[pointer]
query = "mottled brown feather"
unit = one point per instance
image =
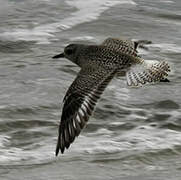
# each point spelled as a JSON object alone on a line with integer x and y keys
{"x": 79, "y": 103}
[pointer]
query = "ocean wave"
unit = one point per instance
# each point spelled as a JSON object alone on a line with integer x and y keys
{"x": 86, "y": 11}
{"x": 139, "y": 140}
{"x": 142, "y": 139}
{"x": 83, "y": 38}
{"x": 167, "y": 1}
{"x": 38, "y": 152}
{"x": 166, "y": 47}
{"x": 13, "y": 109}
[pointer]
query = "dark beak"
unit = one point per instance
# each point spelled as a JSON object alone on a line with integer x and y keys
{"x": 58, "y": 56}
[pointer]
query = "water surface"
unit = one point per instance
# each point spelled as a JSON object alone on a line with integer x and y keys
{"x": 135, "y": 133}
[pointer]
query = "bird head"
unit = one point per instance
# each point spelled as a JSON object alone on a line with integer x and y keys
{"x": 70, "y": 52}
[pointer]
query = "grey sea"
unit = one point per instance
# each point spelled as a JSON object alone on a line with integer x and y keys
{"x": 134, "y": 134}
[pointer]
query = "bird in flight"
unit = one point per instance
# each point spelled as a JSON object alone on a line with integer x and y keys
{"x": 99, "y": 64}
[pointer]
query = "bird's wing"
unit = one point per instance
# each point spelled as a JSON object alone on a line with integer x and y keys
{"x": 79, "y": 103}
{"x": 122, "y": 45}
{"x": 146, "y": 72}
{"x": 140, "y": 72}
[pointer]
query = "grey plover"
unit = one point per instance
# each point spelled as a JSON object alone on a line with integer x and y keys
{"x": 99, "y": 64}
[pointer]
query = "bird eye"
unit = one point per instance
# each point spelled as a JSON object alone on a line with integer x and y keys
{"x": 69, "y": 51}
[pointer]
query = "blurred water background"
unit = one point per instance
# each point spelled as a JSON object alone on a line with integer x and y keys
{"x": 134, "y": 134}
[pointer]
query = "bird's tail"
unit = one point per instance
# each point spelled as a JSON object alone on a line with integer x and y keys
{"x": 147, "y": 72}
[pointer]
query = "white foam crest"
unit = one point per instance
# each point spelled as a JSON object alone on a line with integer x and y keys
{"x": 83, "y": 38}
{"x": 87, "y": 11}
{"x": 144, "y": 139}
{"x": 15, "y": 155}
{"x": 28, "y": 35}
{"x": 150, "y": 138}
{"x": 100, "y": 143}
{"x": 167, "y": 1}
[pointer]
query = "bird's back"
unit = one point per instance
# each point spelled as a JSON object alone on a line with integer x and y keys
{"x": 101, "y": 55}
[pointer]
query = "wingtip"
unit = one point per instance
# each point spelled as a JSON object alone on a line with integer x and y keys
{"x": 164, "y": 80}
{"x": 57, "y": 151}
{"x": 56, "y": 154}
{"x": 136, "y": 43}
{"x": 62, "y": 150}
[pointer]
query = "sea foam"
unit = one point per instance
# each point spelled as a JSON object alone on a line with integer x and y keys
{"x": 87, "y": 11}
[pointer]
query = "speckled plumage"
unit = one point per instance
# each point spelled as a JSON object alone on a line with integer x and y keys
{"x": 99, "y": 64}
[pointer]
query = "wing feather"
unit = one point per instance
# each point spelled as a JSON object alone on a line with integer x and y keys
{"x": 79, "y": 103}
{"x": 145, "y": 72}
{"x": 122, "y": 45}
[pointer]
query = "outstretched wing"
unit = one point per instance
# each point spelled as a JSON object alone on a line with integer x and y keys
{"x": 79, "y": 103}
{"x": 141, "y": 71}
{"x": 122, "y": 45}
{"x": 147, "y": 72}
